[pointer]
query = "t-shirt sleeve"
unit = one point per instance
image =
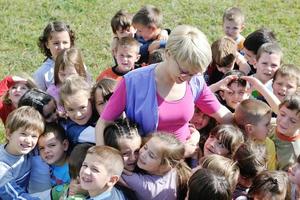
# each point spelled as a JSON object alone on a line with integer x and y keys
{"x": 139, "y": 184}
{"x": 116, "y": 104}
{"x": 207, "y": 101}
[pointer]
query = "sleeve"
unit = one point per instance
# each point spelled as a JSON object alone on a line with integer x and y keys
{"x": 140, "y": 184}
{"x": 207, "y": 101}
{"x": 116, "y": 104}
{"x": 38, "y": 77}
{"x": 11, "y": 190}
{"x": 5, "y": 84}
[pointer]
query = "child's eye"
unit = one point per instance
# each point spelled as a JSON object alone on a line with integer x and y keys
{"x": 151, "y": 156}
{"x": 84, "y": 165}
{"x": 93, "y": 169}
{"x": 41, "y": 148}
{"x": 23, "y": 134}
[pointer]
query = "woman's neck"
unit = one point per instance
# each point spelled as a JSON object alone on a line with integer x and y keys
{"x": 162, "y": 76}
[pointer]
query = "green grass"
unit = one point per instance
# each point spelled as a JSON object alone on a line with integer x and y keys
{"x": 22, "y": 23}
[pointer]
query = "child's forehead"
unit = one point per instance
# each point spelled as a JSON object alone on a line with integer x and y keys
{"x": 291, "y": 113}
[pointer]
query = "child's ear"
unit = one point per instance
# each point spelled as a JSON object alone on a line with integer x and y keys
{"x": 249, "y": 128}
{"x": 242, "y": 27}
{"x": 221, "y": 93}
{"x": 66, "y": 144}
{"x": 7, "y": 134}
{"x": 113, "y": 180}
{"x": 152, "y": 27}
{"x": 137, "y": 57}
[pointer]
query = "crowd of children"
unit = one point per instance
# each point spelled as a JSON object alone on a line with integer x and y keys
{"x": 173, "y": 118}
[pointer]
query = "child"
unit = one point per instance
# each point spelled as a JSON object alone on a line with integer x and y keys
{"x": 223, "y": 140}
{"x": 42, "y": 102}
{"x": 232, "y": 89}
{"x": 207, "y": 184}
{"x": 293, "y": 174}
{"x": 286, "y": 135}
{"x": 12, "y": 88}
{"x": 127, "y": 53}
{"x": 222, "y": 166}
{"x": 253, "y": 117}
{"x": 223, "y": 59}
{"x": 56, "y": 37}
{"x": 101, "y": 92}
{"x": 251, "y": 159}
{"x": 167, "y": 174}
{"x": 233, "y": 25}
{"x": 100, "y": 171}
{"x": 286, "y": 81}
{"x": 75, "y": 95}
{"x": 53, "y": 146}
{"x": 73, "y": 190}
{"x": 268, "y": 60}
{"x": 67, "y": 63}
{"x": 147, "y": 21}
{"x": 156, "y": 56}
{"x": 124, "y": 136}
{"x": 270, "y": 185}
{"x": 23, "y": 127}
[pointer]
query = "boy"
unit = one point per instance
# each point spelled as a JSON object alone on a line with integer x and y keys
{"x": 233, "y": 25}
{"x": 253, "y": 117}
{"x": 268, "y": 60}
{"x": 224, "y": 52}
{"x": 23, "y": 127}
{"x": 100, "y": 171}
{"x": 127, "y": 53}
{"x": 53, "y": 146}
{"x": 148, "y": 21}
{"x": 286, "y": 135}
{"x": 286, "y": 81}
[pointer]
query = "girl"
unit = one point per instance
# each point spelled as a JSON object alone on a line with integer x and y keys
{"x": 223, "y": 140}
{"x": 56, "y": 37}
{"x": 151, "y": 96}
{"x": 42, "y": 102}
{"x": 12, "y": 88}
{"x": 101, "y": 92}
{"x": 67, "y": 63}
{"x": 75, "y": 95}
{"x": 166, "y": 173}
{"x": 270, "y": 185}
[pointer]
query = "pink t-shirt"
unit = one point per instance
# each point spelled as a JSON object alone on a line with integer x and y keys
{"x": 173, "y": 116}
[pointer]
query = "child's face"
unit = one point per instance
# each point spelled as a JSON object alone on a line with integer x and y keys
{"x": 266, "y": 66}
{"x": 67, "y": 72}
{"x": 214, "y": 146}
{"x": 147, "y": 32}
{"x": 284, "y": 86}
{"x": 261, "y": 129}
{"x": 200, "y": 119}
{"x": 16, "y": 92}
{"x": 288, "y": 121}
{"x": 57, "y": 42}
{"x": 130, "y": 151}
{"x": 250, "y": 56}
{"x": 150, "y": 156}
{"x": 78, "y": 108}
{"x": 99, "y": 100}
{"x": 232, "y": 29}
{"x": 49, "y": 112}
{"x": 21, "y": 142}
{"x": 127, "y": 32}
{"x": 235, "y": 95}
{"x": 93, "y": 175}
{"x": 52, "y": 150}
{"x": 126, "y": 57}
{"x": 294, "y": 174}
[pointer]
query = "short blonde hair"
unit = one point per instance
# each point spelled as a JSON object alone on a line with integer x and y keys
{"x": 111, "y": 158}
{"x": 189, "y": 45}
{"x": 222, "y": 166}
{"x": 234, "y": 14}
{"x": 269, "y": 48}
{"x": 251, "y": 111}
{"x": 288, "y": 70}
{"x": 72, "y": 85}
{"x": 25, "y": 118}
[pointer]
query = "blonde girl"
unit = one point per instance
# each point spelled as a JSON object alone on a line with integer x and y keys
{"x": 166, "y": 174}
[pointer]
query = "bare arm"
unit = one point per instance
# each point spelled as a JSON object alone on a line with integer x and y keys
{"x": 100, "y": 127}
{"x": 222, "y": 84}
{"x": 242, "y": 63}
{"x": 223, "y": 115}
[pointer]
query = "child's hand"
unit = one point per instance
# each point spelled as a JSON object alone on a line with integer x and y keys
{"x": 127, "y": 172}
{"x": 222, "y": 84}
{"x": 163, "y": 35}
{"x": 153, "y": 46}
{"x": 192, "y": 144}
{"x": 75, "y": 188}
{"x": 253, "y": 82}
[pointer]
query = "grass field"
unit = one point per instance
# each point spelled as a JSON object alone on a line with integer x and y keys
{"x": 22, "y": 23}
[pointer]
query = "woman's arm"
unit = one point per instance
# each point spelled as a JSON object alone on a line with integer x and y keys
{"x": 223, "y": 115}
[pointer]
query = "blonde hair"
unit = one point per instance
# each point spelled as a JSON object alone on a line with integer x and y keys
{"x": 72, "y": 85}
{"x": 288, "y": 70}
{"x": 224, "y": 52}
{"x": 172, "y": 154}
{"x": 234, "y": 14}
{"x": 222, "y": 166}
{"x": 251, "y": 111}
{"x": 66, "y": 58}
{"x": 128, "y": 42}
{"x": 29, "y": 83}
{"x": 269, "y": 48}
{"x": 189, "y": 45}
{"x": 109, "y": 157}
{"x": 25, "y": 118}
{"x": 148, "y": 15}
